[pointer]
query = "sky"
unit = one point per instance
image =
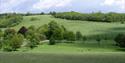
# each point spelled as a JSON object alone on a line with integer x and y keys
{"x": 84, "y": 6}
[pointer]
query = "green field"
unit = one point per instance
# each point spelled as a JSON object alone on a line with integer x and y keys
{"x": 83, "y": 52}
{"x": 87, "y": 28}
{"x": 62, "y": 58}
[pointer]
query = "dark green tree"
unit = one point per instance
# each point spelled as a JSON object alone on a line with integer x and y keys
{"x": 120, "y": 40}
{"x": 52, "y": 41}
{"x": 79, "y": 36}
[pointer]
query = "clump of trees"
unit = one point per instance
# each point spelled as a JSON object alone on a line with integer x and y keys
{"x": 11, "y": 40}
{"x": 9, "y": 20}
{"x": 98, "y": 17}
{"x": 55, "y": 32}
{"x": 120, "y": 40}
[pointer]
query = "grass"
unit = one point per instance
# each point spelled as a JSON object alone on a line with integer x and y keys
{"x": 65, "y": 53}
{"x": 86, "y": 27}
{"x": 76, "y": 48}
{"x": 87, "y": 52}
{"x": 62, "y": 58}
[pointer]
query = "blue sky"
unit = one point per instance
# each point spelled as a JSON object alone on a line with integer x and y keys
{"x": 84, "y": 6}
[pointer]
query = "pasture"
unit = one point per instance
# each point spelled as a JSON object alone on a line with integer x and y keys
{"x": 79, "y": 52}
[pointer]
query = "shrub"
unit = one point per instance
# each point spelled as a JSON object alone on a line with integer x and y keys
{"x": 52, "y": 41}
{"x": 70, "y": 36}
{"x": 16, "y": 41}
{"x": 9, "y": 32}
{"x": 78, "y": 35}
{"x": 32, "y": 43}
{"x": 13, "y": 43}
{"x": 54, "y": 30}
{"x": 98, "y": 39}
{"x": 120, "y": 40}
{"x": 34, "y": 19}
{"x": 10, "y": 20}
{"x": 84, "y": 38}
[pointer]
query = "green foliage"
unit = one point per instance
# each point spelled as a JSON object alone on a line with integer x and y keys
{"x": 98, "y": 39}
{"x": 16, "y": 41}
{"x": 98, "y": 17}
{"x": 52, "y": 41}
{"x": 33, "y": 37}
{"x": 52, "y": 13}
{"x": 9, "y": 32}
{"x": 54, "y": 30}
{"x": 78, "y": 35}
{"x": 13, "y": 43}
{"x": 10, "y": 20}
{"x": 34, "y": 19}
{"x": 70, "y": 36}
{"x": 32, "y": 43}
{"x": 1, "y": 33}
{"x": 84, "y": 38}
{"x": 120, "y": 40}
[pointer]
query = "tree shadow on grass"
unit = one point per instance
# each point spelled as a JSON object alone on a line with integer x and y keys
{"x": 121, "y": 49}
{"x": 108, "y": 34}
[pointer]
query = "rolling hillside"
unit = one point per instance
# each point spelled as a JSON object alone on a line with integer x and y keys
{"x": 85, "y": 27}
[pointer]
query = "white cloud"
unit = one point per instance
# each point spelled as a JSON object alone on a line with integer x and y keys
{"x": 7, "y": 5}
{"x": 46, "y": 4}
{"x": 119, "y": 3}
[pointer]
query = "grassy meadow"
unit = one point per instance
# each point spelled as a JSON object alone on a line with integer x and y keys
{"x": 62, "y": 58}
{"x": 85, "y": 27}
{"x": 79, "y": 52}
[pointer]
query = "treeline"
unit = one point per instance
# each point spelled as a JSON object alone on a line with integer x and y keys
{"x": 98, "y": 17}
{"x": 30, "y": 14}
{"x": 9, "y": 20}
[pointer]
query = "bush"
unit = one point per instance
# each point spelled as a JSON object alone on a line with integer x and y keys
{"x": 34, "y": 19}
{"x": 54, "y": 30}
{"x": 52, "y": 41}
{"x": 98, "y": 39}
{"x": 120, "y": 40}
{"x": 78, "y": 35}
{"x": 9, "y": 33}
{"x": 32, "y": 43}
{"x": 70, "y": 36}
{"x": 33, "y": 37}
{"x": 10, "y": 20}
{"x": 84, "y": 38}
{"x": 12, "y": 43}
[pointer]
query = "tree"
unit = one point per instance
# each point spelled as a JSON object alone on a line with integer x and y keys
{"x": 120, "y": 40}
{"x": 42, "y": 13}
{"x": 8, "y": 33}
{"x": 70, "y": 36}
{"x": 54, "y": 30}
{"x": 32, "y": 43}
{"x": 52, "y": 41}
{"x": 10, "y": 20}
{"x": 33, "y": 37}
{"x": 98, "y": 39}
{"x": 84, "y": 38}
{"x": 16, "y": 41}
{"x": 1, "y": 35}
{"x": 13, "y": 43}
{"x": 98, "y": 16}
{"x": 78, "y": 35}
